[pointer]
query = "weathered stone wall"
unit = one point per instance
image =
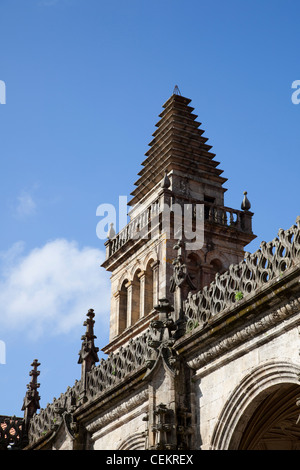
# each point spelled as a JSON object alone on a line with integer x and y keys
{"x": 216, "y": 385}
{"x": 122, "y": 427}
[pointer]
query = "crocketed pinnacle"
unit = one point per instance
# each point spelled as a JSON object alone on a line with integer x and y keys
{"x": 88, "y": 352}
{"x": 31, "y": 401}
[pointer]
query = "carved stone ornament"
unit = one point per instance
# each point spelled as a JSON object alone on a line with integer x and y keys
{"x": 180, "y": 275}
{"x": 64, "y": 415}
{"x": 161, "y": 339}
{"x": 31, "y": 401}
{"x": 162, "y": 426}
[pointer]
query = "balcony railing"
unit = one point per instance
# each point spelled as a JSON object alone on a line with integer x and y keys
{"x": 142, "y": 225}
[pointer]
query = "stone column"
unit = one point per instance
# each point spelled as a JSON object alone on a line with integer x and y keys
{"x": 129, "y": 287}
{"x": 121, "y": 312}
{"x": 142, "y": 278}
{"x": 155, "y": 268}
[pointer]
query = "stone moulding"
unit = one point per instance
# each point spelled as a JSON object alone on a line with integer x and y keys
{"x": 114, "y": 414}
{"x": 264, "y": 323}
{"x": 269, "y": 262}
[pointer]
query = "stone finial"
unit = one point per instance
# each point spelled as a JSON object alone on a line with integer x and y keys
{"x": 166, "y": 183}
{"x": 245, "y": 206}
{"x": 32, "y": 399}
{"x": 176, "y": 91}
{"x": 111, "y": 232}
{"x": 88, "y": 352}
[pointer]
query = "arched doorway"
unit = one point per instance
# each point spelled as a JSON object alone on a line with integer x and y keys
{"x": 262, "y": 412}
{"x": 273, "y": 425}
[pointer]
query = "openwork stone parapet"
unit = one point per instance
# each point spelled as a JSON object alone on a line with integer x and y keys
{"x": 12, "y": 432}
{"x": 270, "y": 262}
{"x": 108, "y": 374}
{"x": 48, "y": 419}
{"x": 118, "y": 366}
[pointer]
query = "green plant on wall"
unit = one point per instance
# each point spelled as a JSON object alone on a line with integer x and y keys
{"x": 239, "y": 295}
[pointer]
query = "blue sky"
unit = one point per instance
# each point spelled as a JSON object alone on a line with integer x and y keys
{"x": 85, "y": 83}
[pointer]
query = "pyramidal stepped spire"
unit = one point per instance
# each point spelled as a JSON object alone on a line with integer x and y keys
{"x": 178, "y": 145}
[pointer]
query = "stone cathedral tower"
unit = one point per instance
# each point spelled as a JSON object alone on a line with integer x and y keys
{"x": 180, "y": 182}
{"x": 204, "y": 337}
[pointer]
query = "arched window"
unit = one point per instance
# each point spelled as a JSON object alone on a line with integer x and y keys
{"x": 193, "y": 267}
{"x": 123, "y": 301}
{"x": 217, "y": 267}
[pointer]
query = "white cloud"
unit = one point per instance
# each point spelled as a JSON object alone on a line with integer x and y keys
{"x": 50, "y": 290}
{"x": 26, "y": 206}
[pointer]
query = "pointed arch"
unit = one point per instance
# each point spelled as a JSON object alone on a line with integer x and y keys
{"x": 245, "y": 399}
{"x": 134, "y": 442}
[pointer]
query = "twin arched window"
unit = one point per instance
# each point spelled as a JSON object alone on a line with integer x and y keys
{"x": 137, "y": 296}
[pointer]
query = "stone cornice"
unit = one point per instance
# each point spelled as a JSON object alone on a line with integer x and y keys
{"x": 114, "y": 414}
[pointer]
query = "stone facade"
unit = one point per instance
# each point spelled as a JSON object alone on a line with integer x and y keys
{"x": 204, "y": 337}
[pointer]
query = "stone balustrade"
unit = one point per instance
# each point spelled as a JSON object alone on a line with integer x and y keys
{"x": 137, "y": 228}
{"x": 140, "y": 226}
